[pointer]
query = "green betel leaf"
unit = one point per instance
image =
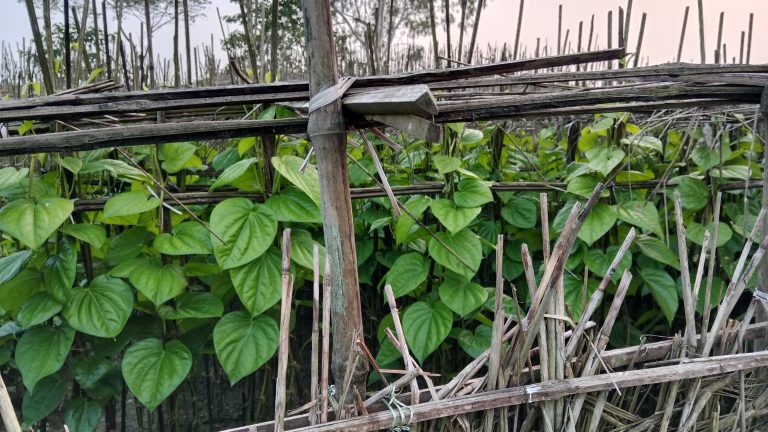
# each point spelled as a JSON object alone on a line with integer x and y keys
{"x": 21, "y": 288}
{"x": 94, "y": 235}
{"x": 465, "y": 244}
{"x": 127, "y": 245}
{"x": 416, "y": 205}
{"x": 452, "y": 217}
{"x": 186, "y": 238}
{"x": 293, "y": 205}
{"x": 48, "y": 394}
{"x": 599, "y": 262}
{"x": 258, "y": 283}
{"x": 88, "y": 371}
{"x": 32, "y": 221}
{"x": 308, "y": 181}
{"x": 582, "y": 185}
{"x": 158, "y": 282}
{"x": 102, "y": 308}
{"x": 664, "y": 291}
{"x": 694, "y": 193}
{"x": 193, "y": 305}
{"x": 72, "y": 164}
{"x": 42, "y": 351}
{"x": 232, "y": 173}
{"x": 695, "y": 233}
{"x": 244, "y": 343}
{"x": 40, "y": 308}
{"x": 407, "y": 273}
{"x": 426, "y": 325}
{"x": 130, "y": 203}
{"x": 658, "y": 250}
{"x": 461, "y": 295}
{"x": 599, "y": 221}
{"x": 301, "y": 249}
{"x": 642, "y": 215}
{"x": 59, "y": 272}
{"x": 472, "y": 193}
{"x": 475, "y": 343}
{"x": 604, "y": 159}
{"x": 153, "y": 371}
{"x": 13, "y": 264}
{"x": 707, "y": 158}
{"x": 83, "y": 415}
{"x": 176, "y": 155}
{"x": 446, "y": 164}
{"x": 247, "y": 228}
{"x": 520, "y": 212}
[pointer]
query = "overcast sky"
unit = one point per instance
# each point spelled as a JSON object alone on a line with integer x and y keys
{"x": 498, "y": 22}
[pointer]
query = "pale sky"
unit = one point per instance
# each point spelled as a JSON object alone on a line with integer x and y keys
{"x": 498, "y": 22}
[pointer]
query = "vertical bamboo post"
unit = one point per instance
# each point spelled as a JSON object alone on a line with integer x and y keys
{"x": 475, "y": 27}
{"x": 38, "y": 38}
{"x": 682, "y": 34}
{"x": 559, "y": 28}
{"x": 326, "y": 131}
{"x": 448, "y": 31}
{"x": 626, "y": 22}
{"x": 10, "y": 421}
{"x": 720, "y": 40}
{"x": 96, "y": 40}
{"x": 741, "y": 49}
{"x": 150, "y": 52}
{"x": 67, "y": 46}
{"x": 640, "y": 40}
{"x": 176, "y": 62}
{"x": 285, "y": 329}
{"x": 702, "y": 45}
{"x": 187, "y": 41}
{"x": 314, "y": 363}
{"x": 107, "y": 60}
{"x": 610, "y": 36}
{"x": 749, "y": 36}
{"x": 517, "y": 31}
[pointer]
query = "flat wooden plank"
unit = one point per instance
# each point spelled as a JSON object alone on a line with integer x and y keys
{"x": 411, "y": 99}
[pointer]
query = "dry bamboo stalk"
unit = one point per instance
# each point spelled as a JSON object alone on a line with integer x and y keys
{"x": 748, "y": 245}
{"x": 703, "y": 399}
{"x": 382, "y": 175}
{"x": 597, "y": 296}
{"x": 700, "y": 269}
{"x": 315, "y": 334}
{"x": 285, "y": 328}
{"x": 711, "y": 269}
{"x": 685, "y": 275}
{"x": 420, "y": 372}
{"x": 10, "y": 421}
{"x": 401, "y": 339}
{"x": 530, "y": 278}
{"x": 671, "y": 396}
{"x": 597, "y": 412}
{"x": 494, "y": 361}
{"x": 592, "y": 362}
{"x": 386, "y": 391}
{"x": 326, "y": 348}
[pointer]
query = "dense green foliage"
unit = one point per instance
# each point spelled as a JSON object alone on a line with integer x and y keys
{"x": 138, "y": 292}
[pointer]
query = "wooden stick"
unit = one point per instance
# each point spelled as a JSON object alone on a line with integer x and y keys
{"x": 682, "y": 34}
{"x": 497, "y": 332}
{"x": 313, "y": 392}
{"x": 685, "y": 275}
{"x": 401, "y": 339}
{"x": 285, "y": 329}
{"x": 326, "y": 348}
{"x": 6, "y": 410}
{"x": 711, "y": 269}
{"x": 382, "y": 175}
{"x": 639, "y": 39}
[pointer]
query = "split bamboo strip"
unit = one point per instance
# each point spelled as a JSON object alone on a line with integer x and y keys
{"x": 285, "y": 328}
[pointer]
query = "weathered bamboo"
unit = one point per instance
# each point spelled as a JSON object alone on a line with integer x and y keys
{"x": 403, "y": 345}
{"x": 325, "y": 353}
{"x": 285, "y": 329}
{"x": 497, "y": 331}
{"x": 7, "y": 413}
{"x": 689, "y": 304}
{"x": 762, "y": 132}
{"x": 314, "y": 366}
{"x": 682, "y": 34}
{"x": 702, "y": 45}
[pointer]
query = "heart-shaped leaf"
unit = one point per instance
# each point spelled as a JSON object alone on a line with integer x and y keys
{"x": 642, "y": 215}
{"x": 599, "y": 221}
{"x": 48, "y": 394}
{"x": 12, "y": 265}
{"x": 59, "y": 271}
{"x": 452, "y": 217}
{"x": 247, "y": 228}
{"x": 472, "y": 193}
{"x": 416, "y": 206}
{"x": 158, "y": 282}
{"x": 307, "y": 180}
{"x": 694, "y": 193}
{"x": 244, "y": 343}
{"x": 152, "y": 370}
{"x": 658, "y": 250}
{"x": 42, "y": 351}
{"x": 32, "y": 221}
{"x": 232, "y": 173}
{"x": 193, "y": 305}
{"x": 520, "y": 212}
{"x": 15, "y": 292}
{"x": 37, "y": 309}
{"x": 446, "y": 164}
{"x": 293, "y": 205}
{"x": 604, "y": 159}
{"x": 176, "y": 155}
{"x": 88, "y": 371}
{"x": 302, "y": 244}
{"x": 461, "y": 295}
{"x": 664, "y": 291}
{"x": 126, "y": 245}
{"x": 83, "y": 415}
{"x": 407, "y": 273}
{"x": 102, "y": 308}
{"x": 695, "y": 233}
{"x": 464, "y": 244}
{"x": 475, "y": 343}
{"x": 130, "y": 203}
{"x": 258, "y": 283}
{"x": 187, "y": 238}
{"x": 426, "y": 325}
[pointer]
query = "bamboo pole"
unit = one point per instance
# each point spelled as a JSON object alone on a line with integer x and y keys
{"x": 689, "y": 304}
{"x": 517, "y": 30}
{"x": 640, "y": 40}
{"x": 41, "y": 57}
{"x": 702, "y": 45}
{"x": 762, "y": 131}
{"x": 285, "y": 329}
{"x": 10, "y": 421}
{"x": 314, "y": 366}
{"x": 682, "y": 34}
